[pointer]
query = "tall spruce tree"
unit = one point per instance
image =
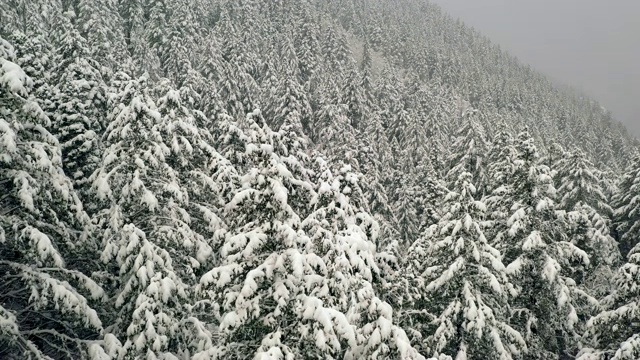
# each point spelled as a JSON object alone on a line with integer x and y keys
{"x": 47, "y": 307}
{"x": 149, "y": 247}
{"x": 78, "y": 108}
{"x": 459, "y": 288}
{"x": 529, "y": 233}
{"x": 626, "y": 205}
{"x": 613, "y": 333}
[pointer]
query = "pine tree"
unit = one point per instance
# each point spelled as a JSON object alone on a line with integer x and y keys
{"x": 150, "y": 249}
{"x": 307, "y": 47}
{"x": 284, "y": 286}
{"x": 625, "y": 203}
{"x": 528, "y": 231}
{"x": 27, "y": 17}
{"x": 35, "y": 54}
{"x": 579, "y": 183}
{"x": 78, "y": 109}
{"x": 404, "y": 207}
{"x": 583, "y": 197}
{"x": 338, "y": 229}
{"x": 261, "y": 264}
{"x": 102, "y": 26}
{"x": 613, "y": 333}
{"x": 469, "y": 150}
{"x": 459, "y": 287}
{"x": 47, "y": 303}
{"x": 290, "y": 105}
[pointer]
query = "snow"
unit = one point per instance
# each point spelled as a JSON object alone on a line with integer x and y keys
{"x": 462, "y": 352}
{"x": 280, "y": 192}
{"x": 166, "y": 289}
{"x": 150, "y": 200}
{"x": 542, "y": 205}
{"x": 467, "y": 222}
{"x": 514, "y": 267}
{"x": 533, "y": 241}
{"x": 446, "y": 275}
{"x": 324, "y": 188}
{"x": 551, "y": 269}
{"x": 481, "y": 206}
{"x": 97, "y": 353}
{"x": 459, "y": 246}
{"x": 26, "y": 192}
{"x": 7, "y": 140}
{"x": 457, "y": 227}
{"x": 45, "y": 248}
{"x": 12, "y": 76}
{"x": 321, "y": 340}
{"x": 102, "y": 186}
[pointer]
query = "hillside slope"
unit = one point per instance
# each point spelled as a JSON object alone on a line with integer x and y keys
{"x": 331, "y": 179}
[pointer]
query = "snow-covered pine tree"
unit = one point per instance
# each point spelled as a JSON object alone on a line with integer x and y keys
{"x": 529, "y": 234}
{"x": 614, "y": 333}
{"x": 400, "y": 121}
{"x": 469, "y": 150}
{"x": 173, "y": 37}
{"x": 32, "y": 18}
{"x": 355, "y": 98}
{"x": 35, "y": 54}
{"x": 335, "y": 47}
{"x": 626, "y": 205}
{"x": 458, "y": 286}
{"x": 102, "y": 26}
{"x": 46, "y": 306}
{"x": 404, "y": 208}
{"x": 274, "y": 284}
{"x": 501, "y": 165}
{"x": 579, "y": 182}
{"x": 237, "y": 88}
{"x": 589, "y": 214}
{"x": 77, "y": 108}
{"x": 345, "y": 238}
{"x": 290, "y": 105}
{"x": 140, "y": 22}
{"x": 307, "y": 46}
{"x": 252, "y": 285}
{"x": 208, "y": 179}
{"x": 149, "y": 248}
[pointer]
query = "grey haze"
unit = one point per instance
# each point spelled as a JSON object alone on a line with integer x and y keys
{"x": 591, "y": 45}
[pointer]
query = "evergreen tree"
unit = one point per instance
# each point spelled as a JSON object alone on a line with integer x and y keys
{"x": 529, "y": 233}
{"x": 579, "y": 183}
{"x": 149, "y": 248}
{"x": 78, "y": 109}
{"x": 100, "y": 23}
{"x": 581, "y": 195}
{"x": 613, "y": 333}
{"x": 35, "y": 55}
{"x": 285, "y": 286}
{"x": 47, "y": 305}
{"x": 291, "y": 105}
{"x": 459, "y": 286}
{"x": 625, "y": 203}
{"x": 469, "y": 149}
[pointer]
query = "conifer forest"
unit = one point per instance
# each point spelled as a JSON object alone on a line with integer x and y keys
{"x": 303, "y": 179}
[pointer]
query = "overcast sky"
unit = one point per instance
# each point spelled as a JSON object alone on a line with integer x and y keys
{"x": 592, "y": 45}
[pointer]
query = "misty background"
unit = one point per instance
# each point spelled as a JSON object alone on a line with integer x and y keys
{"x": 591, "y": 45}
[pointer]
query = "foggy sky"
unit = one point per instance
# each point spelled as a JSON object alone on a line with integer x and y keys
{"x": 591, "y": 45}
